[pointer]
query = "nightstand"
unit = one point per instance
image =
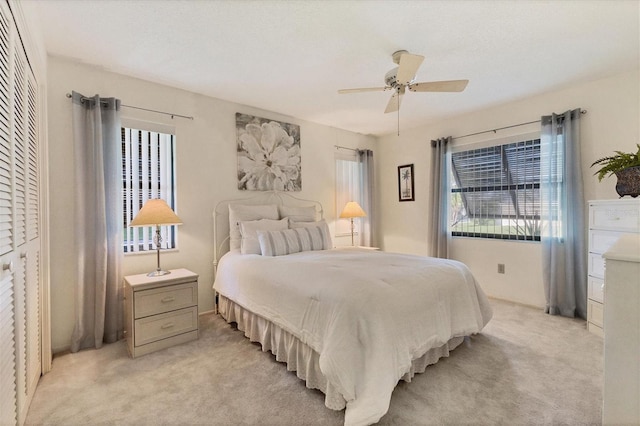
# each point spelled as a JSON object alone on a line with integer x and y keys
{"x": 160, "y": 311}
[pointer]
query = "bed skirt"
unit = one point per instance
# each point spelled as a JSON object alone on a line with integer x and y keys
{"x": 303, "y": 359}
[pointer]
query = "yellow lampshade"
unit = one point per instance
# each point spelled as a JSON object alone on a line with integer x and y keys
{"x": 155, "y": 212}
{"x": 352, "y": 209}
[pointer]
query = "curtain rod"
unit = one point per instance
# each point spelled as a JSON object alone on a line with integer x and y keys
{"x": 144, "y": 109}
{"x": 582, "y": 111}
{"x": 344, "y": 147}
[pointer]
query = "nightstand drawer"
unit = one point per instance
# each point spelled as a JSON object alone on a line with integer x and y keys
{"x": 165, "y": 299}
{"x": 161, "y": 326}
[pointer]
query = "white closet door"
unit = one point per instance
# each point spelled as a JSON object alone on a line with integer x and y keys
{"x": 20, "y": 222}
{"x": 20, "y": 357}
{"x": 8, "y": 413}
{"x": 31, "y": 253}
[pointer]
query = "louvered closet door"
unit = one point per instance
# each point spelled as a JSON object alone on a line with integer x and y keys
{"x": 32, "y": 253}
{"x": 20, "y": 357}
{"x": 8, "y": 412}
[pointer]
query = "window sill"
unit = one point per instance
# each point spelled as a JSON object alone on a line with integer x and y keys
{"x": 153, "y": 252}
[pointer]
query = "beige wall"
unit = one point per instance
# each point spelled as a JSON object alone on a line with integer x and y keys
{"x": 612, "y": 123}
{"x": 206, "y": 172}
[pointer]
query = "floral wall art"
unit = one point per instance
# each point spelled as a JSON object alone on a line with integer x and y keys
{"x": 268, "y": 154}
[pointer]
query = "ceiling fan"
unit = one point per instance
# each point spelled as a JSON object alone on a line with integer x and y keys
{"x": 402, "y": 77}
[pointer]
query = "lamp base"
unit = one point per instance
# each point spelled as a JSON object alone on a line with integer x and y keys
{"x": 158, "y": 273}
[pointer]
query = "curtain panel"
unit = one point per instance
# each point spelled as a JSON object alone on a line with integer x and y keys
{"x": 563, "y": 228}
{"x": 439, "y": 201}
{"x": 367, "y": 191}
{"x": 98, "y": 221}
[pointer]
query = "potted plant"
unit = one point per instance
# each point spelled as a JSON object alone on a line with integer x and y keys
{"x": 626, "y": 167}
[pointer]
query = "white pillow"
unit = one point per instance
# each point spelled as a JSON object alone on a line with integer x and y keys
{"x": 249, "y": 229}
{"x": 322, "y": 224}
{"x": 245, "y": 212}
{"x": 298, "y": 214}
{"x": 280, "y": 243}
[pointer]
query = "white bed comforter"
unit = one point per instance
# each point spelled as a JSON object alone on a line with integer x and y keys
{"x": 367, "y": 313}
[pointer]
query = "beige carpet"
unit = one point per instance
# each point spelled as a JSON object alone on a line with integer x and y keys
{"x": 525, "y": 368}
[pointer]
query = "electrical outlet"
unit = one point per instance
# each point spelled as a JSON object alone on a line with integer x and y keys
{"x": 501, "y": 268}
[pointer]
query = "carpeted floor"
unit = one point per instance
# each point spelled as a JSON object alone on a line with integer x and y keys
{"x": 525, "y": 368}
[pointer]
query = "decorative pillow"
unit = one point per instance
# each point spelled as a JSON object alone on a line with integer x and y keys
{"x": 298, "y": 214}
{"x": 322, "y": 224}
{"x": 280, "y": 243}
{"x": 248, "y": 230}
{"x": 245, "y": 212}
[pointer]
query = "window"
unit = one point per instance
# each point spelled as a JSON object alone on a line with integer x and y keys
{"x": 495, "y": 191}
{"x": 348, "y": 181}
{"x": 148, "y": 171}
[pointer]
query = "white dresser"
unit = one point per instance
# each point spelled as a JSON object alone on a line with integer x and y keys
{"x": 160, "y": 311}
{"x": 608, "y": 220}
{"x": 621, "y": 392}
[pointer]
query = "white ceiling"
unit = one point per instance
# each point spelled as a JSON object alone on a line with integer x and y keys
{"x": 291, "y": 57}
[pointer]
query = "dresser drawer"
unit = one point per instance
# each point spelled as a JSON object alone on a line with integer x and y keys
{"x": 161, "y": 326}
{"x": 595, "y": 313}
{"x": 618, "y": 218}
{"x": 601, "y": 241}
{"x": 596, "y": 289}
{"x": 165, "y": 299}
{"x": 596, "y": 265}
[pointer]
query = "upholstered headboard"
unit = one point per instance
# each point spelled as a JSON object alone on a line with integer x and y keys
{"x": 221, "y": 238}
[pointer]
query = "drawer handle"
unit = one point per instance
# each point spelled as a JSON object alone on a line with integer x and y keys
{"x": 168, "y": 299}
{"x": 167, "y": 325}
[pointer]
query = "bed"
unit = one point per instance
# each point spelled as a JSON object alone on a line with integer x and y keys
{"x": 350, "y": 322}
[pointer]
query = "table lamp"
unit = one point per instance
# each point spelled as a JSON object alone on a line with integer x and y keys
{"x": 156, "y": 212}
{"x": 351, "y": 210}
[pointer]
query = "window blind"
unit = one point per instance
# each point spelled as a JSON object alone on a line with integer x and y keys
{"x": 496, "y": 191}
{"x": 147, "y": 172}
{"x": 348, "y": 183}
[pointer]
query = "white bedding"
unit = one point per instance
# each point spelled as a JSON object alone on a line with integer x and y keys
{"x": 367, "y": 313}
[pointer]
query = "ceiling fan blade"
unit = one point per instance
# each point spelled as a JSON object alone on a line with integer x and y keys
{"x": 394, "y": 102}
{"x": 364, "y": 89}
{"x": 407, "y": 67}
{"x": 440, "y": 86}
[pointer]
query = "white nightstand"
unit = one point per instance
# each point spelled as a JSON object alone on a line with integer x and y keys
{"x": 160, "y": 311}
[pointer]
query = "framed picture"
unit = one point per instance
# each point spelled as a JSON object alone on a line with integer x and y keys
{"x": 405, "y": 182}
{"x": 268, "y": 154}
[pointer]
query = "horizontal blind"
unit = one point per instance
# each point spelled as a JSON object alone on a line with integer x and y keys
{"x": 347, "y": 189}
{"x": 148, "y": 172}
{"x": 496, "y": 191}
